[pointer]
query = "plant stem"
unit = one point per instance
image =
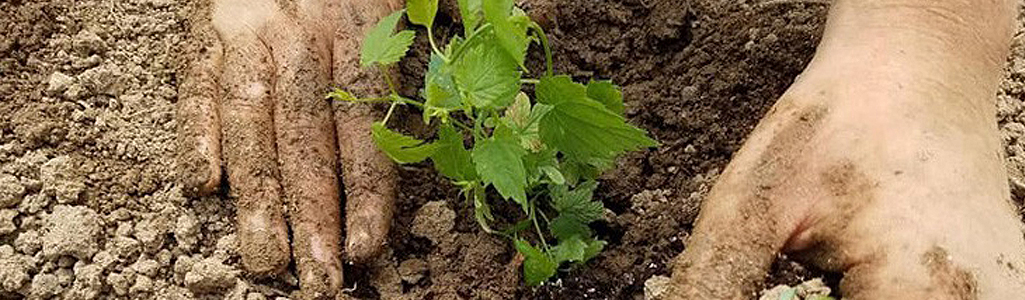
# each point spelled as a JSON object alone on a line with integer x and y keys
{"x": 373, "y": 100}
{"x": 540, "y": 235}
{"x": 461, "y": 125}
{"x": 544, "y": 44}
{"x": 405, "y": 100}
{"x": 478, "y": 127}
{"x": 529, "y": 81}
{"x": 430, "y": 38}
{"x": 543, "y": 216}
{"x": 394, "y": 94}
{"x": 400, "y": 99}
{"x": 387, "y": 78}
{"x": 390, "y": 110}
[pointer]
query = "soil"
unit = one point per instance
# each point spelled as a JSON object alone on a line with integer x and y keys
{"x": 90, "y": 208}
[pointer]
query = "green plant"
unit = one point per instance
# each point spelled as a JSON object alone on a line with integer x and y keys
{"x": 544, "y": 156}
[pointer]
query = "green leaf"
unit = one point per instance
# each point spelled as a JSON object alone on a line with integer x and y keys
{"x": 481, "y": 211}
{"x": 518, "y": 116}
{"x": 380, "y": 46}
{"x": 538, "y": 112}
{"x": 451, "y": 158}
{"x": 511, "y": 35}
{"x": 341, "y": 95}
{"x": 581, "y": 127}
{"x": 489, "y": 78}
{"x": 537, "y": 267}
{"x": 576, "y": 210}
{"x": 607, "y": 93}
{"x": 470, "y": 10}
{"x": 576, "y": 170}
{"x": 577, "y": 203}
{"x": 535, "y": 160}
{"x": 566, "y": 227}
{"x": 593, "y": 248}
{"x": 519, "y": 112}
{"x": 440, "y": 90}
{"x": 569, "y": 250}
{"x": 499, "y": 162}
{"x": 555, "y": 90}
{"x": 401, "y": 148}
{"x": 421, "y": 12}
{"x": 554, "y": 174}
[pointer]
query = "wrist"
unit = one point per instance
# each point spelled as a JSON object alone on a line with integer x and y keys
{"x": 908, "y": 49}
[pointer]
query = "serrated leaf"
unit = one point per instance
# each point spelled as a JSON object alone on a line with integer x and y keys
{"x": 421, "y": 12}
{"x": 451, "y": 158}
{"x": 577, "y": 203}
{"x": 488, "y": 78}
{"x": 470, "y": 11}
{"x": 576, "y": 210}
{"x": 380, "y": 46}
{"x": 499, "y": 162}
{"x": 401, "y": 148}
{"x": 511, "y": 35}
{"x": 571, "y": 249}
{"x": 593, "y": 248}
{"x": 537, "y": 267}
{"x": 565, "y": 227}
{"x": 519, "y": 112}
{"x": 538, "y": 111}
{"x": 440, "y": 90}
{"x": 576, "y": 170}
{"x": 581, "y": 127}
{"x": 534, "y": 161}
{"x": 341, "y": 95}
{"x": 607, "y": 93}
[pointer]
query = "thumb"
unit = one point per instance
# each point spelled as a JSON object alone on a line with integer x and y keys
{"x": 732, "y": 247}
{"x": 748, "y": 217}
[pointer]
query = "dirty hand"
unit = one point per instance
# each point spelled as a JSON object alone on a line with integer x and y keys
{"x": 881, "y": 162}
{"x": 257, "y": 87}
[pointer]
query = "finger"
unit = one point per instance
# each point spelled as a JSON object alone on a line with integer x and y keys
{"x": 368, "y": 175}
{"x": 728, "y": 255}
{"x": 199, "y": 124}
{"x": 305, "y": 133}
{"x": 751, "y": 212}
{"x": 370, "y": 179}
{"x": 249, "y": 144}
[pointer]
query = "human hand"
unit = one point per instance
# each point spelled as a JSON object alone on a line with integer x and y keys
{"x": 256, "y": 89}
{"x": 881, "y": 162}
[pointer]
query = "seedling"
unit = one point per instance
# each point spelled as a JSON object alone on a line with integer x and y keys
{"x": 543, "y": 154}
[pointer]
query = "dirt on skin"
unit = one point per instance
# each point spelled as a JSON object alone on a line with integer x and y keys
{"x": 90, "y": 208}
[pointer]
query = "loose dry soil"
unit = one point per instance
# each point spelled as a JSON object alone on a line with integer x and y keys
{"x": 89, "y": 208}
